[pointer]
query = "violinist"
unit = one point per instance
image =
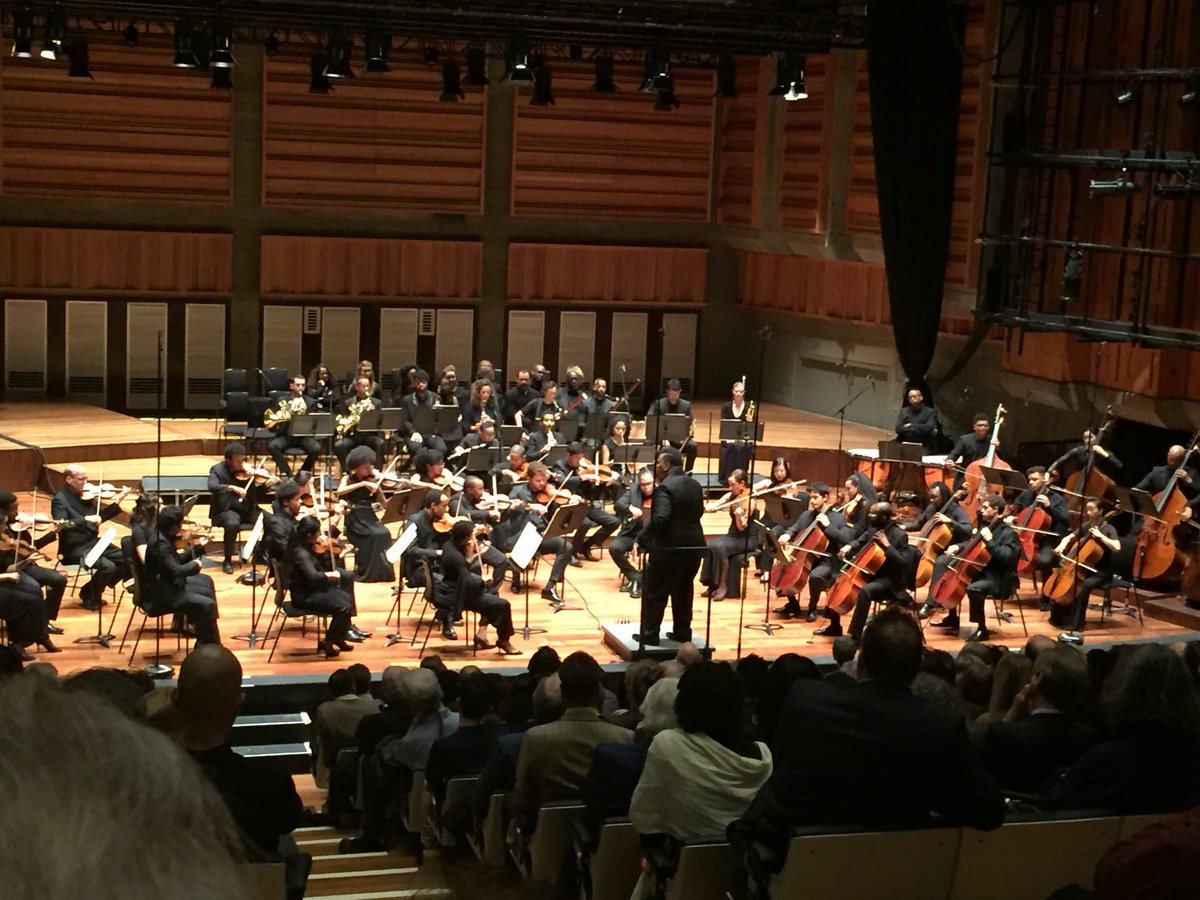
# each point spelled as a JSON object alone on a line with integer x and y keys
{"x": 318, "y": 587}
{"x": 537, "y": 499}
{"x": 998, "y": 577}
{"x": 633, "y": 508}
{"x": 674, "y": 404}
{"x": 820, "y": 511}
{"x": 234, "y": 498}
{"x": 461, "y": 579}
{"x": 545, "y": 402}
{"x": 618, "y": 431}
{"x": 53, "y": 582}
{"x": 1070, "y": 618}
{"x": 143, "y": 523}
{"x": 841, "y": 525}
{"x": 780, "y": 483}
{"x": 734, "y": 454}
{"x": 432, "y": 523}
{"x": 511, "y": 471}
{"x": 888, "y": 584}
{"x": 360, "y": 488}
{"x": 421, "y": 396}
{"x": 322, "y": 389}
{"x": 298, "y": 403}
{"x": 1076, "y": 460}
{"x": 482, "y": 510}
{"x": 567, "y": 472}
{"x": 174, "y": 581}
{"x": 429, "y": 472}
{"x": 739, "y": 540}
{"x": 517, "y": 397}
{"x": 545, "y": 438}
{"x": 351, "y": 409}
{"x": 971, "y": 447}
{"x": 1056, "y": 508}
{"x": 918, "y": 423}
{"x": 21, "y": 605}
{"x": 77, "y": 540}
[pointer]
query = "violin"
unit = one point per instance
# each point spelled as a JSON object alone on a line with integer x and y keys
{"x": 445, "y": 522}
{"x": 255, "y": 475}
{"x": 105, "y": 491}
{"x": 191, "y": 537}
{"x": 38, "y": 523}
{"x": 23, "y": 552}
{"x": 593, "y": 471}
{"x": 327, "y": 546}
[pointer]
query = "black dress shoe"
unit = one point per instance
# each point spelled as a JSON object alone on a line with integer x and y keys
{"x": 949, "y": 622}
{"x": 358, "y": 633}
{"x": 517, "y": 585}
{"x": 829, "y": 631}
{"x": 626, "y": 587}
{"x": 227, "y": 567}
{"x": 926, "y": 610}
{"x": 589, "y": 554}
{"x": 343, "y": 646}
{"x": 23, "y": 655}
{"x": 810, "y": 616}
{"x": 330, "y": 651}
{"x": 575, "y": 562}
{"x": 680, "y": 637}
{"x": 53, "y": 629}
{"x": 549, "y": 593}
{"x": 635, "y": 590}
{"x": 787, "y": 611}
{"x": 650, "y": 640}
{"x": 979, "y": 634}
{"x": 481, "y": 644}
{"x": 351, "y": 636}
{"x": 1070, "y": 637}
{"x": 47, "y": 646}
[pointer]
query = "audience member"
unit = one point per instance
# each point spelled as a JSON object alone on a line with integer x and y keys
{"x": 783, "y": 672}
{"x": 259, "y": 792}
{"x": 879, "y": 720}
{"x": 688, "y": 654}
{"x": 1040, "y": 733}
{"x": 543, "y": 662}
{"x": 124, "y": 690}
{"x": 101, "y": 807}
{"x": 1038, "y": 644}
{"x": 1150, "y": 761}
{"x": 466, "y": 750}
{"x": 1009, "y": 676}
{"x": 638, "y": 679}
{"x": 335, "y": 723}
{"x": 555, "y": 757}
{"x": 1160, "y": 861}
{"x": 394, "y": 717}
{"x": 752, "y": 670}
{"x": 973, "y": 682}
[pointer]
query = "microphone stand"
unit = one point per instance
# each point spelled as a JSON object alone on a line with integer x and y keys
{"x": 766, "y": 625}
{"x": 841, "y": 415}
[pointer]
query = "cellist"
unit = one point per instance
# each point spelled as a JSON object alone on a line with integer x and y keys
{"x": 943, "y": 507}
{"x": 1055, "y": 507}
{"x": 841, "y": 525}
{"x": 820, "y": 507}
{"x": 889, "y": 582}
{"x": 999, "y": 575}
{"x": 1156, "y": 479}
{"x": 1071, "y": 616}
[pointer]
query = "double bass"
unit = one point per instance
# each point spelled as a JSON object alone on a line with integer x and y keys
{"x": 1156, "y": 551}
{"x": 973, "y": 479}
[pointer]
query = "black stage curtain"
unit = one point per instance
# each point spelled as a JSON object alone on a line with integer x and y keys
{"x": 915, "y": 68}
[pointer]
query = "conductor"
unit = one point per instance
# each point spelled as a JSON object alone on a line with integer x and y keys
{"x": 673, "y": 540}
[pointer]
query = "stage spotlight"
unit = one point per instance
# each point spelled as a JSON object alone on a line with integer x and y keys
{"x": 185, "y": 46}
{"x": 667, "y": 100}
{"x": 56, "y": 31}
{"x": 131, "y": 35}
{"x": 430, "y": 55}
{"x": 604, "y": 83}
{"x": 543, "y": 94}
{"x": 318, "y": 82}
{"x": 222, "y": 78}
{"x": 77, "y": 55}
{"x": 789, "y": 77}
{"x": 22, "y": 47}
{"x": 726, "y": 76}
{"x": 1188, "y": 97}
{"x": 451, "y": 83}
{"x": 271, "y": 44}
{"x": 1122, "y": 185}
{"x": 377, "y": 47}
{"x": 517, "y": 61}
{"x": 656, "y": 72}
{"x": 477, "y": 66}
{"x": 222, "y": 46}
{"x": 1128, "y": 95}
{"x": 338, "y": 53}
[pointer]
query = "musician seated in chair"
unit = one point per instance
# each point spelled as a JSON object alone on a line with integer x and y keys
{"x": 674, "y": 404}
{"x": 546, "y": 437}
{"x": 78, "y": 539}
{"x": 820, "y": 516}
{"x": 173, "y": 579}
{"x": 1076, "y": 460}
{"x": 348, "y": 416}
{"x": 1071, "y": 616}
{"x": 1056, "y": 508}
{"x": 568, "y": 474}
{"x": 738, "y": 542}
{"x": 634, "y": 509}
{"x": 998, "y": 579}
{"x": 297, "y": 404}
{"x": 889, "y": 582}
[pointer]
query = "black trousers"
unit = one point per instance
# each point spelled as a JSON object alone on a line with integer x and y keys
{"x": 820, "y": 579}
{"x": 606, "y": 523}
{"x": 871, "y": 592}
{"x": 977, "y": 593}
{"x": 371, "y": 540}
{"x": 21, "y": 608}
{"x": 494, "y": 611}
{"x": 110, "y": 569}
{"x": 342, "y": 448}
{"x": 283, "y": 442}
{"x": 619, "y": 549}
{"x": 669, "y": 576}
{"x": 234, "y": 518}
{"x": 54, "y": 582}
{"x": 333, "y": 602}
{"x": 721, "y": 550}
{"x": 1073, "y": 616}
{"x": 498, "y": 561}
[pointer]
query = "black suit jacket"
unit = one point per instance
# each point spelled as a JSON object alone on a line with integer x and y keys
{"x": 633, "y": 498}
{"x": 676, "y": 509}
{"x": 918, "y": 425}
{"x": 1134, "y": 775}
{"x": 900, "y": 560}
{"x": 851, "y": 732}
{"x": 167, "y": 571}
{"x": 1005, "y": 550}
{"x": 1025, "y": 755}
{"x": 75, "y": 540}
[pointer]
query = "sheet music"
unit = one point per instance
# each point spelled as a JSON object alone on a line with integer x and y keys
{"x": 407, "y": 536}
{"x": 106, "y": 540}
{"x": 526, "y": 548}
{"x": 255, "y": 537}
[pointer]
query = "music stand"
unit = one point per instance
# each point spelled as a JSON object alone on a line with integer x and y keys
{"x": 1009, "y": 479}
{"x": 89, "y": 562}
{"x": 907, "y": 456}
{"x": 393, "y": 554}
{"x": 483, "y": 459}
{"x": 766, "y": 626}
{"x": 447, "y": 418}
{"x": 251, "y": 637}
{"x": 510, "y": 434}
{"x": 675, "y": 428}
{"x": 554, "y": 455}
{"x": 596, "y": 428}
{"x": 741, "y": 431}
{"x": 424, "y": 420}
{"x": 529, "y": 541}
{"x": 402, "y": 504}
{"x": 319, "y": 427}
{"x": 569, "y": 429}
{"x": 783, "y": 509}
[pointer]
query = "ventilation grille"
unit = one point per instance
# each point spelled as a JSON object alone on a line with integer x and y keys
{"x": 85, "y": 384}
{"x": 428, "y": 323}
{"x": 26, "y": 381}
{"x": 205, "y": 387}
{"x": 685, "y": 385}
{"x": 144, "y": 387}
{"x": 312, "y": 320}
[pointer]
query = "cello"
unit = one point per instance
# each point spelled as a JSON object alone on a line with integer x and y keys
{"x": 935, "y": 537}
{"x": 792, "y": 575}
{"x": 973, "y": 478}
{"x": 1156, "y": 550}
{"x": 844, "y": 593}
{"x": 1032, "y": 521}
{"x": 949, "y": 590}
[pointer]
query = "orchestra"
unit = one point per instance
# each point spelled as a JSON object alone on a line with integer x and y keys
{"x": 852, "y": 550}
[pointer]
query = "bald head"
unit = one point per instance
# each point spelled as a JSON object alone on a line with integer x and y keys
{"x": 1175, "y": 455}
{"x": 1037, "y": 645}
{"x": 208, "y": 695}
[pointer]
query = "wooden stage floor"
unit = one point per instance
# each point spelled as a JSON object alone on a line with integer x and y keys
{"x": 591, "y": 590}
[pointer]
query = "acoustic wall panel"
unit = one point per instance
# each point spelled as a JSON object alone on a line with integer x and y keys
{"x": 87, "y": 351}
{"x": 526, "y": 334}
{"x": 340, "y": 328}
{"x": 25, "y": 346}
{"x": 282, "y": 330}
{"x": 204, "y": 355}
{"x": 577, "y": 343}
{"x": 455, "y": 341}
{"x": 145, "y": 332}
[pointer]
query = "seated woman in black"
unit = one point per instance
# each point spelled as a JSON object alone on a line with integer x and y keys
{"x": 318, "y": 587}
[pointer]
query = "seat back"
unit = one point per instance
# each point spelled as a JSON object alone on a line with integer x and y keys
{"x": 493, "y": 852}
{"x": 615, "y": 864}
{"x": 237, "y": 406}
{"x": 903, "y": 864}
{"x": 276, "y": 378}
{"x": 1131, "y": 825}
{"x": 266, "y": 880}
{"x": 551, "y": 840}
{"x": 235, "y": 380}
{"x": 706, "y": 871}
{"x": 1030, "y": 859}
{"x": 458, "y": 795}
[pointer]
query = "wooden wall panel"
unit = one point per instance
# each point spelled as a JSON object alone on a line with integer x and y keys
{"x": 569, "y": 272}
{"x": 743, "y": 144}
{"x": 127, "y": 261}
{"x": 370, "y": 267}
{"x": 804, "y": 194}
{"x": 829, "y": 289}
{"x": 137, "y": 130}
{"x": 381, "y": 141}
{"x": 862, "y": 205}
{"x": 1150, "y": 372}
{"x": 614, "y": 155}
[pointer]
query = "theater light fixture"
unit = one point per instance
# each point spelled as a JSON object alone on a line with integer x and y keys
{"x": 318, "y": 82}
{"x": 77, "y": 55}
{"x": 543, "y": 93}
{"x": 789, "y": 77}
{"x": 56, "y": 32}
{"x": 726, "y": 76}
{"x": 1128, "y": 95}
{"x": 656, "y": 72}
{"x": 338, "y": 52}
{"x": 517, "y": 61}
{"x": 1188, "y": 97}
{"x": 1122, "y": 185}
{"x": 22, "y": 47}
{"x": 185, "y": 46}
{"x": 604, "y": 83}
{"x": 477, "y": 66}
{"x": 1177, "y": 190}
{"x": 222, "y": 78}
{"x": 377, "y": 46}
{"x": 667, "y": 100}
{"x": 430, "y": 54}
{"x": 222, "y": 46}
{"x": 131, "y": 35}
{"x": 451, "y": 83}
{"x": 271, "y": 44}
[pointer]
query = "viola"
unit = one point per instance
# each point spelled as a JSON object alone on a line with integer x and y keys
{"x": 973, "y": 479}
{"x": 38, "y": 523}
{"x": 445, "y": 522}
{"x": 191, "y": 537}
{"x": 844, "y": 593}
{"x": 327, "y": 546}
{"x": 949, "y": 590}
{"x": 105, "y": 491}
